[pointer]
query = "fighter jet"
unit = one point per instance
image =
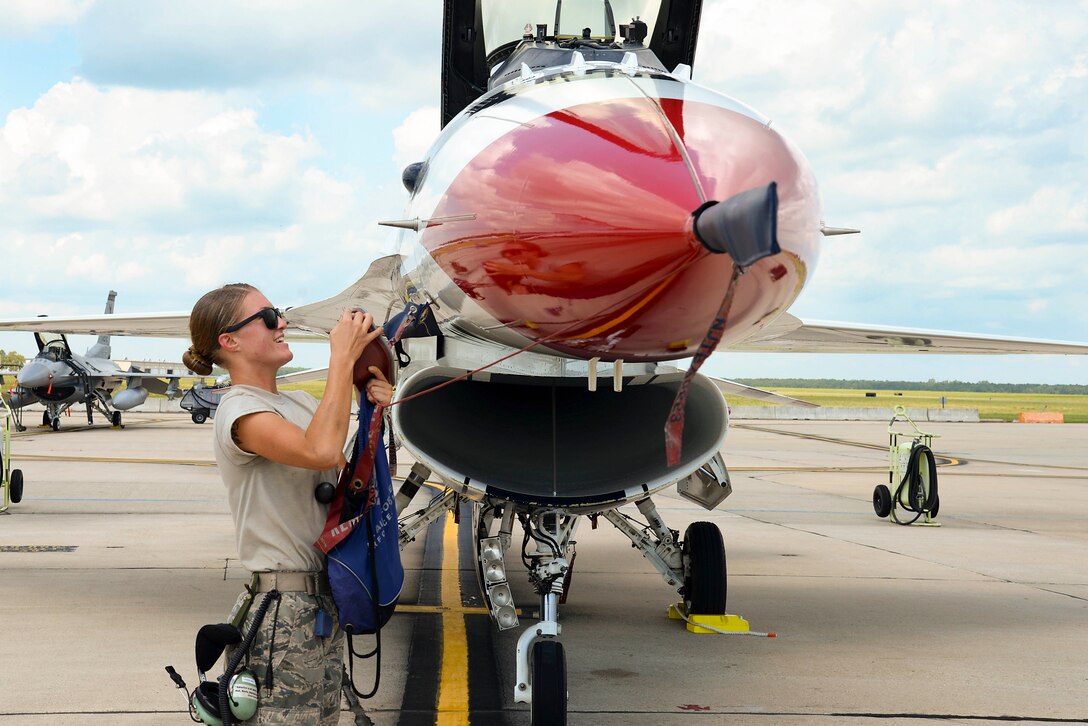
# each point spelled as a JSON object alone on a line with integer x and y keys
{"x": 588, "y": 216}
{"x": 60, "y": 378}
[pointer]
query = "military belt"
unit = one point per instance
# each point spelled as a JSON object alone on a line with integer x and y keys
{"x": 311, "y": 583}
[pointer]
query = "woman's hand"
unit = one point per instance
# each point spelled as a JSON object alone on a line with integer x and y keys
{"x": 378, "y": 389}
{"x": 351, "y": 335}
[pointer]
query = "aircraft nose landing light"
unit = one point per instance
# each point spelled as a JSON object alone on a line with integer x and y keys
{"x": 496, "y": 589}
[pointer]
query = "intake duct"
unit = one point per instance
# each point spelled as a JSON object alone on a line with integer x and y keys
{"x": 552, "y": 442}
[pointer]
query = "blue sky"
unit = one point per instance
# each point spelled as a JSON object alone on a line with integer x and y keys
{"x": 161, "y": 149}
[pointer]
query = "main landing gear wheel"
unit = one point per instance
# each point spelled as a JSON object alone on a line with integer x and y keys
{"x": 47, "y": 420}
{"x": 15, "y": 486}
{"x": 199, "y": 417}
{"x": 549, "y": 669}
{"x": 882, "y": 501}
{"x": 115, "y": 418}
{"x": 704, "y": 570}
{"x": 55, "y": 424}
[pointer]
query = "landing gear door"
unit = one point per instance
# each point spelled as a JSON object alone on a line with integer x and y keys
{"x": 709, "y": 485}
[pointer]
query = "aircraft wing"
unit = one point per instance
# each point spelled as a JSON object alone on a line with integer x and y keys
{"x": 313, "y": 374}
{"x": 154, "y": 325}
{"x": 377, "y": 292}
{"x": 789, "y": 334}
{"x": 739, "y": 389}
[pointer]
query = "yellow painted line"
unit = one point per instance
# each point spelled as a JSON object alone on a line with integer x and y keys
{"x": 433, "y": 609}
{"x": 453, "y": 687}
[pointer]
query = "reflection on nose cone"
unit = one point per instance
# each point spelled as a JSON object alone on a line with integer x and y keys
{"x": 36, "y": 374}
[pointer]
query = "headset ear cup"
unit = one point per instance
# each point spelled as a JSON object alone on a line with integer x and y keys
{"x": 242, "y": 693}
{"x": 205, "y": 702}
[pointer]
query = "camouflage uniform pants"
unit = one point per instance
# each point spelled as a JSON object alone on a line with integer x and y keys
{"x": 303, "y": 685}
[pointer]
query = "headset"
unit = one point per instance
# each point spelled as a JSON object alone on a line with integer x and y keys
{"x": 211, "y": 641}
{"x": 233, "y": 697}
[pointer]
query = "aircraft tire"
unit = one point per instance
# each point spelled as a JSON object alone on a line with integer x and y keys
{"x": 704, "y": 569}
{"x": 199, "y": 417}
{"x": 882, "y": 501}
{"x": 15, "y": 486}
{"x": 549, "y": 674}
{"x": 115, "y": 418}
{"x": 47, "y": 420}
{"x": 55, "y": 424}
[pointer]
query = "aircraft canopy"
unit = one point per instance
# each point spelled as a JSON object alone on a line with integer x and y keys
{"x": 479, "y": 34}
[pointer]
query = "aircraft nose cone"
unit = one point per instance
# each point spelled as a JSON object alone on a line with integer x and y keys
{"x": 576, "y": 226}
{"x": 34, "y": 374}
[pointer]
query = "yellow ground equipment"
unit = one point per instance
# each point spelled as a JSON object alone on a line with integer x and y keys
{"x": 12, "y": 480}
{"x": 912, "y": 475}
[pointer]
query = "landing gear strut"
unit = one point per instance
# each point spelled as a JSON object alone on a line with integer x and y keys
{"x": 696, "y": 567}
{"x": 543, "y": 681}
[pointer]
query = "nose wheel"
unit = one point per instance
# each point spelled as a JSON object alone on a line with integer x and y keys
{"x": 704, "y": 570}
{"x": 549, "y": 674}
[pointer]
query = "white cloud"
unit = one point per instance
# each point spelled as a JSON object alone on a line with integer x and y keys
{"x": 83, "y": 154}
{"x": 1050, "y": 210}
{"x": 247, "y": 43}
{"x": 27, "y": 16}
{"x": 414, "y": 136}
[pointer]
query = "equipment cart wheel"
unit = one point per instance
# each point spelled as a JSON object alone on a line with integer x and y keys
{"x": 55, "y": 424}
{"x": 200, "y": 417}
{"x": 549, "y": 674}
{"x": 15, "y": 486}
{"x": 704, "y": 569}
{"x": 882, "y": 501}
{"x": 115, "y": 418}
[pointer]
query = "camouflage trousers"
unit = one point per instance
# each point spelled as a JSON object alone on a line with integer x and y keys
{"x": 298, "y": 673}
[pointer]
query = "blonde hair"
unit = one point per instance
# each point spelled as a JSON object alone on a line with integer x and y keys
{"x": 212, "y": 313}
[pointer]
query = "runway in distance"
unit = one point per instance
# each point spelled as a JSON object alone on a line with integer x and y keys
{"x": 587, "y": 215}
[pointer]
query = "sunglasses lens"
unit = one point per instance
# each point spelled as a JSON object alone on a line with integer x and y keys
{"x": 271, "y": 317}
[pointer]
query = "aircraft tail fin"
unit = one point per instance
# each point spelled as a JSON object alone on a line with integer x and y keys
{"x": 102, "y": 348}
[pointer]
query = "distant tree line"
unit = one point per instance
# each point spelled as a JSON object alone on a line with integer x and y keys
{"x": 11, "y": 360}
{"x": 930, "y": 385}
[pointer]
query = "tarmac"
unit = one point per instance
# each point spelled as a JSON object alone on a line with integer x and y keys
{"x": 123, "y": 547}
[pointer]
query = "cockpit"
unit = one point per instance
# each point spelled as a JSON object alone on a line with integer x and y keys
{"x": 486, "y": 42}
{"x": 52, "y": 346}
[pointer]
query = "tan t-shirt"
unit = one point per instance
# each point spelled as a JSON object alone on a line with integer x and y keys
{"x": 276, "y": 518}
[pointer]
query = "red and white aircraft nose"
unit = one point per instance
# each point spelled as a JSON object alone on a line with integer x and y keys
{"x": 581, "y": 226}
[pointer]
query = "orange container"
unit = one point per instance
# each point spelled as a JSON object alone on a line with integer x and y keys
{"x": 1039, "y": 417}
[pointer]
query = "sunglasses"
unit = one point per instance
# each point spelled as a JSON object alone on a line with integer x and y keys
{"x": 269, "y": 316}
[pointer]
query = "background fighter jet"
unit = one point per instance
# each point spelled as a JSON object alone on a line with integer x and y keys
{"x": 59, "y": 378}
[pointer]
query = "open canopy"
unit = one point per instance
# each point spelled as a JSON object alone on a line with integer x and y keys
{"x": 479, "y": 34}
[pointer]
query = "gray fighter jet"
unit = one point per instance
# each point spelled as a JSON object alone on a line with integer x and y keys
{"x": 59, "y": 379}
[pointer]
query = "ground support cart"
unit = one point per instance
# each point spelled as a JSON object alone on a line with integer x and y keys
{"x": 12, "y": 479}
{"x": 202, "y": 402}
{"x": 912, "y": 476}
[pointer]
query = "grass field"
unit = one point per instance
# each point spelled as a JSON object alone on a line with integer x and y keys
{"x": 1003, "y": 406}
